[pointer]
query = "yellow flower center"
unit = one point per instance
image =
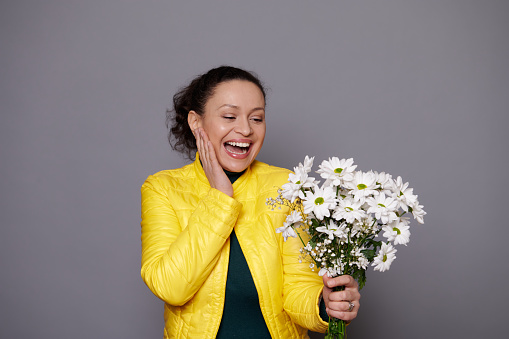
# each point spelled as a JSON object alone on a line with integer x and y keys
{"x": 319, "y": 201}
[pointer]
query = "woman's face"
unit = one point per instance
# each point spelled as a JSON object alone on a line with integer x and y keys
{"x": 234, "y": 120}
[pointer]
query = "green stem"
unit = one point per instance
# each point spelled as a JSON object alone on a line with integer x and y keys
{"x": 302, "y": 241}
{"x": 337, "y": 327}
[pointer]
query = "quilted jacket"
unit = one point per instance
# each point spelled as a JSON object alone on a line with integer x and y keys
{"x": 185, "y": 231}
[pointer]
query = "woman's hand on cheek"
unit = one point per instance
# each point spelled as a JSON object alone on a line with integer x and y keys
{"x": 338, "y": 303}
{"x": 213, "y": 170}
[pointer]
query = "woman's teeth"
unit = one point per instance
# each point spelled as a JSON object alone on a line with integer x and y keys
{"x": 238, "y": 144}
{"x": 237, "y": 147}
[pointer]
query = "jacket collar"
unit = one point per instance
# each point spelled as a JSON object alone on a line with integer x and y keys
{"x": 237, "y": 185}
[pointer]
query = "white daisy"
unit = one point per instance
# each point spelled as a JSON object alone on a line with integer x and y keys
{"x": 383, "y": 207}
{"x": 297, "y": 180}
{"x": 418, "y": 213}
{"x": 334, "y": 230}
{"x": 362, "y": 185}
{"x": 336, "y": 171}
{"x": 404, "y": 194}
{"x": 294, "y": 219}
{"x": 385, "y": 182}
{"x": 349, "y": 210}
{"x": 287, "y": 231}
{"x": 319, "y": 203}
{"x": 385, "y": 257}
{"x": 308, "y": 164}
{"x": 398, "y": 231}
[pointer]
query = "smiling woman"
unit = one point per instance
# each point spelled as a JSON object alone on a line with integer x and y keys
{"x": 234, "y": 121}
{"x": 209, "y": 245}
{"x": 194, "y": 97}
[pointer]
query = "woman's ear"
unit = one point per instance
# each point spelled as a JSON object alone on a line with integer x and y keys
{"x": 194, "y": 120}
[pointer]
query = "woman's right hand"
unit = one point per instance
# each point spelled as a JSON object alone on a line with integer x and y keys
{"x": 213, "y": 170}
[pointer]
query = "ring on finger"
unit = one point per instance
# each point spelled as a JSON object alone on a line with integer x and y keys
{"x": 351, "y": 305}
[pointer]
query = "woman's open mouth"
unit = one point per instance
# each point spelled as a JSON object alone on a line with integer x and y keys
{"x": 237, "y": 149}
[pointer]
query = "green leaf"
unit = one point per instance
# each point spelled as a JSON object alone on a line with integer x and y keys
{"x": 362, "y": 280}
{"x": 312, "y": 242}
{"x": 360, "y": 276}
{"x": 369, "y": 254}
{"x": 373, "y": 243}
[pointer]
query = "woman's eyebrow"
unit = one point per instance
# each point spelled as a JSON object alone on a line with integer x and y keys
{"x": 228, "y": 105}
{"x": 237, "y": 107}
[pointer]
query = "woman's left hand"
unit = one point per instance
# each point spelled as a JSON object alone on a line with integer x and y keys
{"x": 341, "y": 304}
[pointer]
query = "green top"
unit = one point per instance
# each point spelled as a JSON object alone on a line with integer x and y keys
{"x": 242, "y": 316}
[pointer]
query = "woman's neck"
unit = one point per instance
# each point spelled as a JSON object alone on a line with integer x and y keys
{"x": 233, "y": 176}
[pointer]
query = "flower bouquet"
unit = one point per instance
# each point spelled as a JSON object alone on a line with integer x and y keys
{"x": 343, "y": 217}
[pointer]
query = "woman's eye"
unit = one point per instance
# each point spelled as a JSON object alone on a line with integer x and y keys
{"x": 257, "y": 119}
{"x": 229, "y": 117}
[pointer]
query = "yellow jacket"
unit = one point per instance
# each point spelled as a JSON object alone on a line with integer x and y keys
{"x": 185, "y": 231}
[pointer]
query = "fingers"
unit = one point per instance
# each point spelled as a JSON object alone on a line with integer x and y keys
{"x": 341, "y": 304}
{"x": 207, "y": 153}
{"x": 199, "y": 143}
{"x": 344, "y": 295}
{"x": 203, "y": 145}
{"x": 211, "y": 153}
{"x": 342, "y": 280}
{"x": 344, "y": 305}
{"x": 342, "y": 310}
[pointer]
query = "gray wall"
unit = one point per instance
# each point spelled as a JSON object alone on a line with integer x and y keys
{"x": 416, "y": 88}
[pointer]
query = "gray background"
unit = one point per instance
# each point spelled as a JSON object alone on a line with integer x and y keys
{"x": 415, "y": 88}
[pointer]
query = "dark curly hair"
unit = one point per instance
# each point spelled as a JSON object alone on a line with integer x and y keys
{"x": 193, "y": 98}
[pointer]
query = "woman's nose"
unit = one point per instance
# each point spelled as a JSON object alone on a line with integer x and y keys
{"x": 243, "y": 127}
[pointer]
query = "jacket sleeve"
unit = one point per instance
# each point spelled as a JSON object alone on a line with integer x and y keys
{"x": 177, "y": 259}
{"x": 302, "y": 287}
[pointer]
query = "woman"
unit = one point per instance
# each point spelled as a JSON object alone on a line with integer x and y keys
{"x": 209, "y": 247}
